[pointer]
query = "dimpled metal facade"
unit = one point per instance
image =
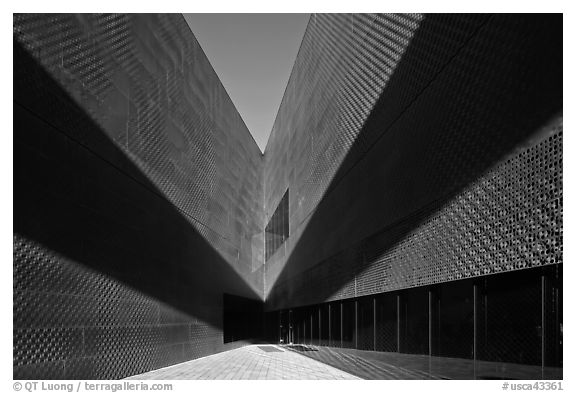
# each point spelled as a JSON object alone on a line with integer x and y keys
{"x": 411, "y": 155}
{"x": 423, "y": 155}
{"x": 138, "y": 197}
{"x": 416, "y": 158}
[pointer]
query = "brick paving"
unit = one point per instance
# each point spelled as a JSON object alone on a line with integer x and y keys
{"x": 392, "y": 365}
{"x": 251, "y": 362}
{"x": 311, "y": 362}
{"x": 356, "y": 363}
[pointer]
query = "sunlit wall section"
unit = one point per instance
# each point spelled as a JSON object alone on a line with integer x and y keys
{"x": 389, "y": 154}
{"x": 146, "y": 81}
{"x": 346, "y": 65}
{"x": 137, "y": 198}
{"x": 343, "y": 64}
{"x": 509, "y": 219}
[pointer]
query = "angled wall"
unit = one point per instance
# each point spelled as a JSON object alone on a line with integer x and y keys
{"x": 422, "y": 156}
{"x": 138, "y": 199}
{"x": 417, "y": 149}
{"x": 415, "y": 161}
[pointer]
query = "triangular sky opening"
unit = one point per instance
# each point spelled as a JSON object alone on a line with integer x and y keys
{"x": 253, "y": 55}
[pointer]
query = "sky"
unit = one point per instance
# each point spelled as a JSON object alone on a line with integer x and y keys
{"x": 253, "y": 55}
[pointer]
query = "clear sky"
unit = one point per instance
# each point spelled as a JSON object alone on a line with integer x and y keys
{"x": 253, "y": 55}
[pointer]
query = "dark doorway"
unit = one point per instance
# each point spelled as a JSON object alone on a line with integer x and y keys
{"x": 243, "y": 319}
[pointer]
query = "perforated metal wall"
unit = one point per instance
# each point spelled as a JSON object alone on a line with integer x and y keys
{"x": 137, "y": 197}
{"x": 510, "y": 218}
{"x": 453, "y": 162}
{"x": 146, "y": 82}
{"x": 419, "y": 150}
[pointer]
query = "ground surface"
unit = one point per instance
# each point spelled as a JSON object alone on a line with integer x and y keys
{"x": 312, "y": 362}
{"x": 250, "y": 362}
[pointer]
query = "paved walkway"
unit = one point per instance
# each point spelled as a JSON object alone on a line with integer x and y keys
{"x": 250, "y": 362}
{"x": 312, "y": 362}
{"x": 392, "y": 365}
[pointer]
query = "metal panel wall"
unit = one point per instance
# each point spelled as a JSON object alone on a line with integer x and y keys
{"x": 138, "y": 197}
{"x": 453, "y": 163}
{"x": 419, "y": 150}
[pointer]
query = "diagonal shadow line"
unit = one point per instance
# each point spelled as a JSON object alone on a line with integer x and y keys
{"x": 96, "y": 208}
{"x": 527, "y": 111}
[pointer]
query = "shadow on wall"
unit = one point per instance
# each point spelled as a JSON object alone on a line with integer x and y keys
{"x": 110, "y": 279}
{"x": 441, "y": 122}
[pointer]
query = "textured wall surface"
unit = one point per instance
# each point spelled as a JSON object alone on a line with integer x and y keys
{"x": 138, "y": 197}
{"x": 417, "y": 149}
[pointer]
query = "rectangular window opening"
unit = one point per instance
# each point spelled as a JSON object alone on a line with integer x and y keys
{"x": 277, "y": 229}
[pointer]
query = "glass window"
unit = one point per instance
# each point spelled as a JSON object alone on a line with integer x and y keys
{"x": 277, "y": 230}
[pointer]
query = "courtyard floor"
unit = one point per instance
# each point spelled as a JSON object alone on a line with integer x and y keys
{"x": 307, "y": 362}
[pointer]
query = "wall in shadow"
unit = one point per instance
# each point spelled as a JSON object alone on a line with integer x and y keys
{"x": 146, "y": 82}
{"x": 502, "y": 326}
{"x": 112, "y": 274}
{"x": 419, "y": 151}
{"x": 456, "y": 171}
{"x": 243, "y": 319}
